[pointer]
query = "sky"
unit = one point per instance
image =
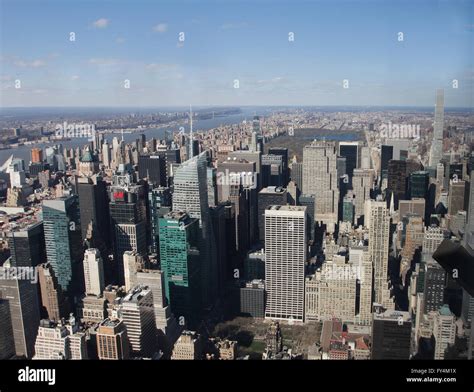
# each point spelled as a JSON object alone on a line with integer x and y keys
{"x": 176, "y": 53}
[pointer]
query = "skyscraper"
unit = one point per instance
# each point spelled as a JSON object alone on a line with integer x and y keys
{"x": 187, "y": 347}
{"x": 332, "y": 292}
{"x": 283, "y": 152}
{"x": 7, "y": 343}
{"x": 379, "y": 232}
{"x": 362, "y": 184}
{"x": 297, "y": 173}
{"x": 62, "y": 233}
{"x": 26, "y": 244}
{"x": 418, "y": 184}
{"x": 36, "y": 155}
{"x": 164, "y": 319}
{"x": 272, "y": 170}
{"x": 94, "y": 207}
{"x": 128, "y": 217}
{"x": 58, "y": 341}
{"x": 52, "y": 297}
{"x": 436, "y": 151}
{"x": 93, "y": 272}
{"x": 267, "y": 197}
{"x": 444, "y": 331}
{"x": 470, "y": 220}
{"x": 190, "y": 195}
{"x": 286, "y": 253}
{"x": 350, "y": 150}
{"x": 22, "y": 296}
{"x": 152, "y": 167}
{"x": 180, "y": 263}
{"x": 159, "y": 204}
{"x": 320, "y": 179}
{"x": 136, "y": 311}
{"x": 391, "y": 335}
{"x": 433, "y": 287}
{"x": 112, "y": 340}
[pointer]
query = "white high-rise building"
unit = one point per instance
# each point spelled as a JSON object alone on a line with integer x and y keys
{"x": 379, "y": 232}
{"x": 365, "y": 158}
{"x": 93, "y": 272}
{"x": 432, "y": 237}
{"x": 335, "y": 286}
{"x": 55, "y": 341}
{"x": 136, "y": 311}
{"x": 436, "y": 151}
{"x": 444, "y": 331}
{"x": 285, "y": 257}
{"x": 359, "y": 258}
{"x": 132, "y": 263}
{"x": 17, "y": 173}
{"x": 106, "y": 155}
{"x": 362, "y": 184}
{"x": 320, "y": 179}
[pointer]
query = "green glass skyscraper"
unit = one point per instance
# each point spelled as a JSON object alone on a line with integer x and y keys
{"x": 62, "y": 234}
{"x": 180, "y": 263}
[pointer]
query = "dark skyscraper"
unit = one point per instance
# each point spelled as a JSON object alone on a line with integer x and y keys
{"x": 386, "y": 156}
{"x": 398, "y": 174}
{"x": 391, "y": 335}
{"x": 418, "y": 184}
{"x": 159, "y": 204}
{"x": 283, "y": 152}
{"x": 22, "y": 297}
{"x": 268, "y": 197}
{"x": 434, "y": 284}
{"x": 351, "y": 152}
{"x": 128, "y": 218}
{"x": 152, "y": 167}
{"x": 272, "y": 170}
{"x": 27, "y": 246}
{"x": 94, "y": 207}
{"x": 62, "y": 234}
{"x": 7, "y": 342}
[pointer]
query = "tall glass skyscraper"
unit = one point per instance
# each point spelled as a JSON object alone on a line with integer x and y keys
{"x": 436, "y": 151}
{"x": 180, "y": 263}
{"x": 62, "y": 233}
{"x": 190, "y": 195}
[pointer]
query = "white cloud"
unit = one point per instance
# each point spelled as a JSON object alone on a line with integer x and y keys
{"x": 239, "y": 25}
{"x": 270, "y": 81}
{"x": 160, "y": 67}
{"x": 37, "y": 63}
{"x": 75, "y": 77}
{"x": 160, "y": 28}
{"x": 120, "y": 40}
{"x": 101, "y": 23}
{"x": 30, "y": 64}
{"x": 103, "y": 61}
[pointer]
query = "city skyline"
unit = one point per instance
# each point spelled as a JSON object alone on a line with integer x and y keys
{"x": 223, "y": 180}
{"x": 281, "y": 53}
